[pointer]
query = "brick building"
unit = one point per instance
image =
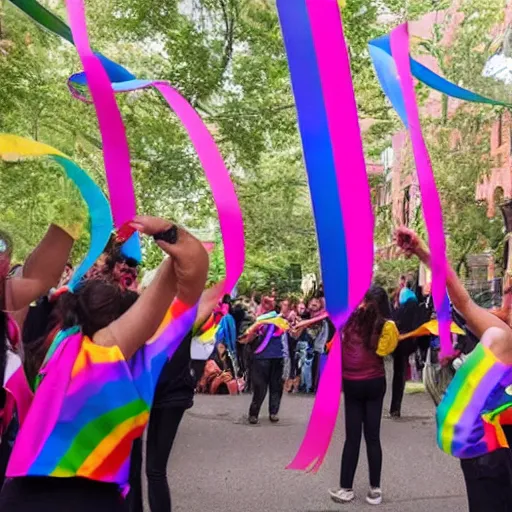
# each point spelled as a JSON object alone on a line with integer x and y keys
{"x": 402, "y": 186}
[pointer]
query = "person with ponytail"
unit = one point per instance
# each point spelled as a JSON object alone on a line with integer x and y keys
{"x": 368, "y": 336}
{"x": 94, "y": 381}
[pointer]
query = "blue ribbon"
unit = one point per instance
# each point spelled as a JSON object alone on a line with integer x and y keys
{"x": 99, "y": 213}
{"x": 380, "y": 52}
{"x": 318, "y": 153}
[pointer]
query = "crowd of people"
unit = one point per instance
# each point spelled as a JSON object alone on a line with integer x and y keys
{"x": 236, "y": 345}
{"x": 146, "y": 371}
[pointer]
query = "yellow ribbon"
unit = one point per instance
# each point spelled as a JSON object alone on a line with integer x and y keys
{"x": 431, "y": 327}
{"x": 14, "y": 148}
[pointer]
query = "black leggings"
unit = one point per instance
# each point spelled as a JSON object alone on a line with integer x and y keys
{"x": 489, "y": 481}
{"x": 363, "y": 409}
{"x": 400, "y": 361}
{"x": 266, "y": 373}
{"x": 47, "y": 494}
{"x": 163, "y": 426}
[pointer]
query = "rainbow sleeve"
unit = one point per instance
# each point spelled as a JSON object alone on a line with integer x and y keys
{"x": 469, "y": 416}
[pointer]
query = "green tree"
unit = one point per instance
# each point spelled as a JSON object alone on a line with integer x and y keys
{"x": 227, "y": 58}
{"x": 459, "y": 140}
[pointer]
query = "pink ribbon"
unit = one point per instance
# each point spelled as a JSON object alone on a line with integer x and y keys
{"x": 21, "y": 394}
{"x": 431, "y": 203}
{"x": 116, "y": 148}
{"x": 116, "y": 154}
{"x": 340, "y": 105}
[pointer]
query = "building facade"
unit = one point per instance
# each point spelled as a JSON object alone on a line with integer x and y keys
{"x": 494, "y": 188}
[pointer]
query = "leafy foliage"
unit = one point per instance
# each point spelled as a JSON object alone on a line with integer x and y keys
{"x": 227, "y": 58}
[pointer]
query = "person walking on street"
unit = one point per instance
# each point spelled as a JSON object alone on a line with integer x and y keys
{"x": 267, "y": 365}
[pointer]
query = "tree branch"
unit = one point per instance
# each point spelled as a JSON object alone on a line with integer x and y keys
{"x": 229, "y": 30}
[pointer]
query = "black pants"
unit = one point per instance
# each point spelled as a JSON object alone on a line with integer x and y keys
{"x": 266, "y": 374}
{"x": 163, "y": 426}
{"x": 6, "y": 445}
{"x": 363, "y": 410}
{"x": 489, "y": 481}
{"x": 197, "y": 368}
{"x": 400, "y": 361}
{"x": 47, "y": 494}
{"x": 315, "y": 371}
{"x": 248, "y": 357}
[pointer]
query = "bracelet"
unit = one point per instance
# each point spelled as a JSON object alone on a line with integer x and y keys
{"x": 169, "y": 235}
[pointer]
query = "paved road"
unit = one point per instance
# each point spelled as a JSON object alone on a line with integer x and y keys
{"x": 220, "y": 463}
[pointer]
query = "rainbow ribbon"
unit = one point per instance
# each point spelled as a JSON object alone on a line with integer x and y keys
{"x": 105, "y": 77}
{"x": 116, "y": 154}
{"x": 469, "y": 416}
{"x": 13, "y": 147}
{"x": 333, "y": 154}
{"x": 394, "y": 74}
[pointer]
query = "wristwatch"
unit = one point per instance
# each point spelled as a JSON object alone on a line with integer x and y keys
{"x": 169, "y": 235}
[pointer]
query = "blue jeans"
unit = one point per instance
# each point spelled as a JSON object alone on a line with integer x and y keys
{"x": 306, "y": 375}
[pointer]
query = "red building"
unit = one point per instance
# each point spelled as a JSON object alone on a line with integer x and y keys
{"x": 403, "y": 191}
{"x": 400, "y": 187}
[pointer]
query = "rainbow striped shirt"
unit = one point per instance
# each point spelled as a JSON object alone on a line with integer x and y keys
{"x": 90, "y": 404}
{"x": 476, "y": 404}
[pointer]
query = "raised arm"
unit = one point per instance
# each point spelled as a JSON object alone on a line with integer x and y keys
{"x": 41, "y": 271}
{"x": 478, "y": 319}
{"x": 207, "y": 303}
{"x": 181, "y": 276}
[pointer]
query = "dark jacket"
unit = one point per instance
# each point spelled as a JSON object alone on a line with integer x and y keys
{"x": 176, "y": 384}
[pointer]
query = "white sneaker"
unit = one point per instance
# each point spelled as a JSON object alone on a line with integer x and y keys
{"x": 342, "y": 495}
{"x": 374, "y": 496}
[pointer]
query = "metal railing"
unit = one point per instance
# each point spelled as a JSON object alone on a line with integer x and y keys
{"x": 486, "y": 294}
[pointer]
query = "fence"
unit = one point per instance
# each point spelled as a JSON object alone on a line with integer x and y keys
{"x": 486, "y": 294}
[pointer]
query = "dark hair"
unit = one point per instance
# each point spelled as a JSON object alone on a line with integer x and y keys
{"x": 380, "y": 296}
{"x": 319, "y": 294}
{"x": 93, "y": 307}
{"x": 366, "y": 323}
{"x": 114, "y": 255}
{"x": 314, "y": 298}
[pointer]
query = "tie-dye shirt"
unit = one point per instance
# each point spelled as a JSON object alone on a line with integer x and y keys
{"x": 90, "y": 404}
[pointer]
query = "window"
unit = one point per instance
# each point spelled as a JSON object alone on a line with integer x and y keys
{"x": 500, "y": 130}
{"x": 406, "y": 206}
{"x": 498, "y": 197}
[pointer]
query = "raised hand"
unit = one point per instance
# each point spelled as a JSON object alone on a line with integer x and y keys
{"x": 411, "y": 244}
{"x": 150, "y": 225}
